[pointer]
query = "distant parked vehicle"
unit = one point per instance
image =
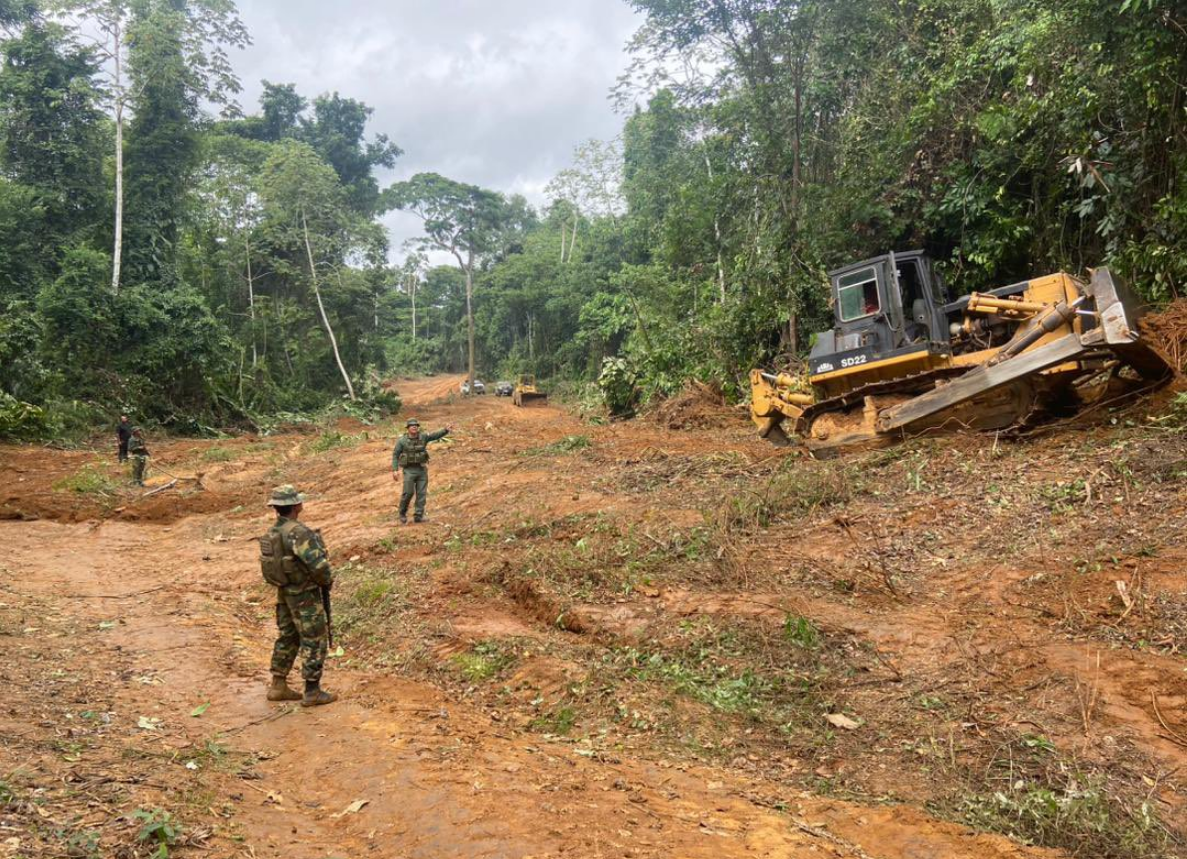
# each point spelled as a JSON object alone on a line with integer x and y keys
{"x": 479, "y": 388}
{"x": 504, "y": 389}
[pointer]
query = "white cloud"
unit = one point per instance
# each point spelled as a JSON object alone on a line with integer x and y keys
{"x": 494, "y": 93}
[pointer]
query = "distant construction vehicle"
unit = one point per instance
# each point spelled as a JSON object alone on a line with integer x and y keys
{"x": 526, "y": 392}
{"x": 905, "y": 359}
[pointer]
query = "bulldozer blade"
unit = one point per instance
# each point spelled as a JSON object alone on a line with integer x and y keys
{"x": 1120, "y": 313}
{"x": 982, "y": 381}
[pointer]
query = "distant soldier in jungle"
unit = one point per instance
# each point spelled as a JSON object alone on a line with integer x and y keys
{"x": 123, "y": 434}
{"x": 293, "y": 559}
{"x": 412, "y": 455}
{"x": 138, "y": 451}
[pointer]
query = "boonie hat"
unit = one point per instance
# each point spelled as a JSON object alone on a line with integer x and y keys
{"x": 413, "y": 422}
{"x": 286, "y": 496}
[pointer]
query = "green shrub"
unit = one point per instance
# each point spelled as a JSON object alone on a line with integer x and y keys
{"x": 1079, "y": 817}
{"x": 159, "y": 830}
{"x": 619, "y": 384}
{"x": 334, "y": 440}
{"x": 21, "y": 421}
{"x": 88, "y": 480}
{"x": 484, "y": 662}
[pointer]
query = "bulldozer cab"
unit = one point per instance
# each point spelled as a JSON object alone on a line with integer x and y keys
{"x": 887, "y": 307}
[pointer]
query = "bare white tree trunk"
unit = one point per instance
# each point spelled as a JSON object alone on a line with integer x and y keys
{"x": 118, "y": 71}
{"x": 573, "y": 241}
{"x": 326, "y": 319}
{"x": 251, "y": 303}
{"x": 564, "y": 238}
{"x": 717, "y": 237}
{"x": 413, "y": 288}
{"x": 470, "y": 317}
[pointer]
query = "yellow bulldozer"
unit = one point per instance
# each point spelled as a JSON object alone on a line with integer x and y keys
{"x": 526, "y": 392}
{"x": 904, "y": 358}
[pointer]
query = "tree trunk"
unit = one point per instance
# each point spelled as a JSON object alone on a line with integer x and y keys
{"x": 118, "y": 251}
{"x": 412, "y": 289}
{"x": 573, "y": 241}
{"x": 717, "y": 236}
{"x": 797, "y": 142}
{"x": 470, "y": 313}
{"x": 564, "y": 238}
{"x": 326, "y": 319}
{"x": 251, "y": 302}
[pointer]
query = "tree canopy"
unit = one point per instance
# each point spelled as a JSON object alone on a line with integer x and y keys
{"x": 763, "y": 142}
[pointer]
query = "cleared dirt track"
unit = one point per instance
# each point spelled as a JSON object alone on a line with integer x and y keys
{"x": 138, "y": 636}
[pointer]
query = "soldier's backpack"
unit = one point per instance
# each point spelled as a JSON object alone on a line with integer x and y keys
{"x": 272, "y": 559}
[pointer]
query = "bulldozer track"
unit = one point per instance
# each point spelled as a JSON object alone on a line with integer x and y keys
{"x": 905, "y": 385}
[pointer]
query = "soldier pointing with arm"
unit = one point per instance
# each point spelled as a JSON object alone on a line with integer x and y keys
{"x": 412, "y": 455}
{"x": 294, "y": 560}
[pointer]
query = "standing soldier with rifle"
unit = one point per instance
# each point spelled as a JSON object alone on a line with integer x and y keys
{"x": 294, "y": 560}
{"x": 139, "y": 452}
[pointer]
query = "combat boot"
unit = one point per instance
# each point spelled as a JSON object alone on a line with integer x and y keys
{"x": 280, "y": 691}
{"x": 315, "y": 696}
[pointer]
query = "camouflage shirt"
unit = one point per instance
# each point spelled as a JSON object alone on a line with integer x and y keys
{"x": 406, "y": 444}
{"x": 137, "y": 447}
{"x": 307, "y": 547}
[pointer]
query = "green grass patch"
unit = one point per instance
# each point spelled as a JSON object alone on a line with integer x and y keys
{"x": 484, "y": 662}
{"x": 569, "y": 444}
{"x": 801, "y": 632}
{"x": 88, "y": 480}
{"x": 1078, "y": 816}
{"x": 219, "y": 454}
{"x": 367, "y": 598}
{"x": 797, "y": 490}
{"x": 335, "y": 440}
{"x": 560, "y": 722}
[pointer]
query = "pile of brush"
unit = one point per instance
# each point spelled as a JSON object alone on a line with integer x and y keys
{"x": 1167, "y": 332}
{"x": 698, "y": 406}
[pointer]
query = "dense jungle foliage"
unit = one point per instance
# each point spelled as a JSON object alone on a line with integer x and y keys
{"x": 764, "y": 142}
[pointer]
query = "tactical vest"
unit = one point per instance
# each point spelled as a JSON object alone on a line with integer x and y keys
{"x": 136, "y": 446}
{"x": 415, "y": 452}
{"x": 280, "y": 567}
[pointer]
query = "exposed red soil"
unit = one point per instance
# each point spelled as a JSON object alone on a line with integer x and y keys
{"x": 526, "y": 539}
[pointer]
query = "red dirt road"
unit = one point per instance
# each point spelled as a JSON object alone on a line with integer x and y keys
{"x": 152, "y": 612}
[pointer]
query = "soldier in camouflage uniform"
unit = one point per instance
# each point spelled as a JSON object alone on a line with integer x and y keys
{"x": 300, "y": 612}
{"x": 139, "y": 453}
{"x": 412, "y": 455}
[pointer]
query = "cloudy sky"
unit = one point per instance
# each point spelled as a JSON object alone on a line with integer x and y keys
{"x": 493, "y": 92}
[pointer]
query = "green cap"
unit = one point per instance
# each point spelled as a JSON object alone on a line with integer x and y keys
{"x": 413, "y": 422}
{"x": 286, "y": 496}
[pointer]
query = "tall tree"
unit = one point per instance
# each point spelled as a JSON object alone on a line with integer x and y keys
{"x": 52, "y": 130}
{"x": 307, "y": 215}
{"x": 463, "y": 220}
{"x": 186, "y": 42}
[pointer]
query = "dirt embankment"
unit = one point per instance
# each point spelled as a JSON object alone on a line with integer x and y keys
{"x": 609, "y": 641}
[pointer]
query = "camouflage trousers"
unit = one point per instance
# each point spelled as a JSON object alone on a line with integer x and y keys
{"x": 301, "y": 620}
{"x": 139, "y": 467}
{"x": 416, "y": 484}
